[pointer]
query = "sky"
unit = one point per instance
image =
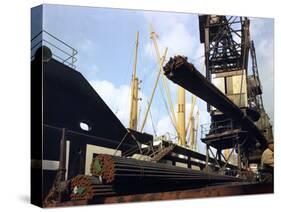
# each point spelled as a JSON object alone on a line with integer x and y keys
{"x": 105, "y": 41}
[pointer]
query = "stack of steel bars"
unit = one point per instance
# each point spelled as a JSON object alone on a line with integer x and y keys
{"x": 84, "y": 187}
{"x": 114, "y": 175}
{"x": 114, "y": 169}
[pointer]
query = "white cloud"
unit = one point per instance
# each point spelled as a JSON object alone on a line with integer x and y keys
{"x": 117, "y": 98}
{"x": 175, "y": 32}
{"x": 174, "y": 39}
{"x": 164, "y": 126}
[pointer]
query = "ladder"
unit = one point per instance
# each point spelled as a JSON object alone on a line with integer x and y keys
{"x": 162, "y": 152}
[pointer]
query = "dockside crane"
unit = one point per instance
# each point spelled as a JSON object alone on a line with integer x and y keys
{"x": 226, "y": 89}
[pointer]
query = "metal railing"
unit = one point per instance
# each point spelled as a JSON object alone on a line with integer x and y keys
{"x": 216, "y": 127}
{"x": 60, "y": 50}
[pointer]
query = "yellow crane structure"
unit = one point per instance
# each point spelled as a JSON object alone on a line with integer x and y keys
{"x": 232, "y": 158}
{"x": 193, "y": 102}
{"x": 154, "y": 89}
{"x": 134, "y": 91}
{"x": 192, "y": 125}
{"x": 160, "y": 61}
{"x": 196, "y": 129}
{"x": 180, "y": 123}
{"x": 226, "y": 153}
{"x": 181, "y": 116}
{"x": 153, "y": 37}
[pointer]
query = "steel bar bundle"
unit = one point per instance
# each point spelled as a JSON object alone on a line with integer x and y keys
{"x": 114, "y": 169}
{"x": 83, "y": 187}
{"x": 183, "y": 73}
{"x": 115, "y": 176}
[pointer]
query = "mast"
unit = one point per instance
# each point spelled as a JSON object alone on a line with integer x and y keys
{"x": 194, "y": 146}
{"x": 192, "y": 133}
{"x": 193, "y": 101}
{"x": 181, "y": 116}
{"x": 154, "y": 88}
{"x": 134, "y": 91}
{"x": 153, "y": 37}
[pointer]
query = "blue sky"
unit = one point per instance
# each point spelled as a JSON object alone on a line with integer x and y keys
{"x": 105, "y": 41}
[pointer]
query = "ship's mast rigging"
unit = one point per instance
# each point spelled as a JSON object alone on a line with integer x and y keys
{"x": 134, "y": 91}
{"x": 180, "y": 123}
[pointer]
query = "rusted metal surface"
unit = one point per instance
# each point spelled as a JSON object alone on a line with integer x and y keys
{"x": 118, "y": 176}
{"x": 212, "y": 191}
{"x": 68, "y": 203}
{"x": 80, "y": 188}
{"x": 57, "y": 193}
{"x": 104, "y": 166}
{"x": 197, "y": 193}
{"x": 84, "y": 187}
